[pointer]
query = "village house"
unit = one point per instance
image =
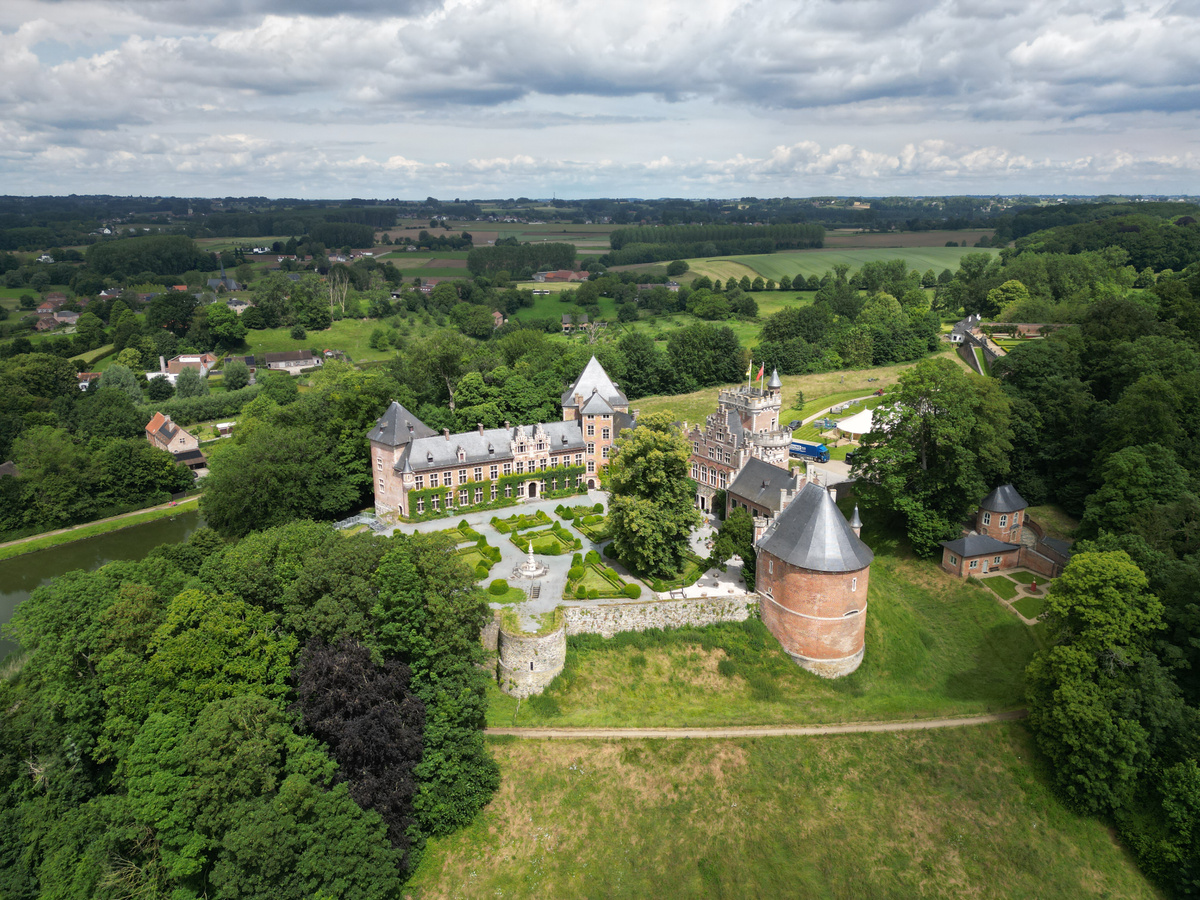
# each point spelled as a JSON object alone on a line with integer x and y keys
{"x": 498, "y": 319}
{"x": 419, "y": 471}
{"x": 561, "y": 275}
{"x": 161, "y": 432}
{"x": 87, "y": 380}
{"x": 292, "y": 360}
{"x": 66, "y": 316}
{"x": 46, "y": 323}
{"x": 1003, "y": 537}
{"x": 574, "y": 321}
{"x": 170, "y": 369}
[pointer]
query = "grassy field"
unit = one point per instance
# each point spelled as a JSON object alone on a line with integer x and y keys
{"x": 940, "y": 814}
{"x": 350, "y": 335}
{"x": 1055, "y": 520}
{"x": 818, "y": 262}
{"x": 1030, "y": 607}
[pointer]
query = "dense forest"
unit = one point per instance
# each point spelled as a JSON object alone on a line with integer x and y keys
{"x": 287, "y": 716}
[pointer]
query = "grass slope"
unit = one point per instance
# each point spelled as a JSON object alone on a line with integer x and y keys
{"x": 944, "y": 814}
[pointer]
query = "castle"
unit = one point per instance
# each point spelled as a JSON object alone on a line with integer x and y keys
{"x": 744, "y": 427}
{"x": 420, "y": 473}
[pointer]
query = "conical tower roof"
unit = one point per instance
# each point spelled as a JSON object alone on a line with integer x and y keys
{"x": 1003, "y": 499}
{"x": 397, "y": 426}
{"x": 774, "y": 384}
{"x": 593, "y": 379}
{"x": 811, "y": 533}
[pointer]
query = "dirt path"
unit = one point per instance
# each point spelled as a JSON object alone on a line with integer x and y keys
{"x": 742, "y": 731}
{"x": 136, "y": 512}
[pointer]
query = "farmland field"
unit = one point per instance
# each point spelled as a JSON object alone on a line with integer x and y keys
{"x": 818, "y": 262}
{"x": 844, "y": 239}
{"x": 349, "y": 335}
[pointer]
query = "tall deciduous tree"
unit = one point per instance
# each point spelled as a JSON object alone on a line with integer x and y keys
{"x": 652, "y": 498}
{"x": 946, "y": 442}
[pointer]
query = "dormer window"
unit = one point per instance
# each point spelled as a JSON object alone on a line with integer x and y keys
{"x": 491, "y": 448}
{"x": 428, "y": 457}
{"x": 520, "y": 448}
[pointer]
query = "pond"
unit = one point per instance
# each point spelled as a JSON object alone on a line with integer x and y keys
{"x": 21, "y": 575}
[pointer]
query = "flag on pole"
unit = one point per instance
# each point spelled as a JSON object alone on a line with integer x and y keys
{"x": 749, "y": 372}
{"x": 761, "y": 370}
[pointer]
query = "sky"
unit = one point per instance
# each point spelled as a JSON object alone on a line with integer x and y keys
{"x": 603, "y": 98}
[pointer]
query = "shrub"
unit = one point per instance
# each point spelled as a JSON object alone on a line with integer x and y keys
{"x": 577, "y": 559}
{"x": 581, "y": 593}
{"x": 633, "y": 591}
{"x": 658, "y": 585}
{"x": 498, "y": 588}
{"x": 481, "y": 543}
{"x": 578, "y": 544}
{"x": 494, "y": 553}
{"x": 575, "y": 573}
{"x": 593, "y": 594}
{"x": 298, "y": 333}
{"x": 463, "y": 525}
{"x": 612, "y": 573}
{"x": 592, "y": 557}
{"x": 481, "y": 572}
{"x": 726, "y": 667}
{"x": 599, "y": 507}
{"x": 553, "y": 550}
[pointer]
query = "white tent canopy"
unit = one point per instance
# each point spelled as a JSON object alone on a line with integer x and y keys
{"x": 859, "y": 424}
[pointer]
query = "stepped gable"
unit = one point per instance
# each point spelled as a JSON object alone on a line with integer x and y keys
{"x": 593, "y": 377}
{"x": 397, "y": 426}
{"x": 811, "y": 533}
{"x": 1003, "y": 499}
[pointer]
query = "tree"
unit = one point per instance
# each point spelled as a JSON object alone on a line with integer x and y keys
{"x": 190, "y": 383}
{"x": 122, "y": 378}
{"x": 159, "y": 389}
{"x": 236, "y": 375}
{"x": 678, "y": 267}
{"x": 225, "y": 326}
{"x": 372, "y": 723}
{"x": 946, "y": 443}
{"x": 652, "y": 498}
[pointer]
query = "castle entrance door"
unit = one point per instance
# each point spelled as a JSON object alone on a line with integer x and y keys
{"x": 532, "y": 489}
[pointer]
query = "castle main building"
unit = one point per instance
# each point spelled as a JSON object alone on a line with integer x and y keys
{"x": 419, "y": 472}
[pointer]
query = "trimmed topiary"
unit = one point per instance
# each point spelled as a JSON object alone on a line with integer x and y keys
{"x": 575, "y": 573}
{"x": 577, "y": 559}
{"x": 593, "y": 594}
{"x": 481, "y": 572}
{"x": 599, "y": 507}
{"x": 633, "y": 591}
{"x": 498, "y": 588}
{"x": 658, "y": 585}
{"x": 592, "y": 557}
{"x": 553, "y": 550}
{"x": 581, "y": 593}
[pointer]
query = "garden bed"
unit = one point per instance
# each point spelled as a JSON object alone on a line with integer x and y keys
{"x": 547, "y": 542}
{"x": 520, "y": 522}
{"x": 1030, "y": 607}
{"x": 589, "y": 579}
{"x": 460, "y": 533}
{"x": 694, "y": 567}
{"x": 1002, "y": 585}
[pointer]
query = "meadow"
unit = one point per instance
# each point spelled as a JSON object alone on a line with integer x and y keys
{"x": 818, "y": 262}
{"x": 962, "y": 812}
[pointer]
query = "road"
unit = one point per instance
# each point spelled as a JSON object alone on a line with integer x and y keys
{"x": 744, "y": 731}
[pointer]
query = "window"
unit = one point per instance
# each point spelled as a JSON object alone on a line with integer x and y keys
{"x": 508, "y": 468}
{"x": 579, "y": 459}
{"x": 521, "y": 448}
{"x": 541, "y": 445}
{"x": 695, "y": 447}
{"x": 554, "y": 484}
{"x": 724, "y": 480}
{"x": 987, "y": 518}
{"x": 1004, "y": 521}
{"x": 420, "y": 482}
{"x": 495, "y": 491}
{"x": 381, "y": 484}
{"x": 770, "y": 567}
{"x": 974, "y": 564}
{"x": 996, "y": 561}
{"x": 508, "y": 490}
{"x": 591, "y": 430}
{"x": 604, "y": 433}
{"x": 433, "y": 501}
{"x": 853, "y": 587}
{"x": 447, "y": 478}
{"x": 449, "y": 499}
{"x": 420, "y": 504}
{"x": 604, "y": 452}
{"x": 953, "y": 560}
{"x": 379, "y": 464}
{"x": 542, "y": 465}
{"x": 695, "y": 472}
{"x": 520, "y": 467}
{"x": 479, "y": 473}
{"x": 462, "y": 476}
{"x": 591, "y": 466}
{"x": 478, "y": 495}
{"x": 492, "y": 472}
{"x": 591, "y": 448}
{"x": 463, "y": 497}
{"x": 433, "y": 482}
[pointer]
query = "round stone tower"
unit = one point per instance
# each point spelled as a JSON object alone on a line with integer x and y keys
{"x": 812, "y": 578}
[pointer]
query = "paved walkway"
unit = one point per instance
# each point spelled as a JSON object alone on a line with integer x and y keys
{"x": 743, "y": 731}
{"x": 136, "y": 512}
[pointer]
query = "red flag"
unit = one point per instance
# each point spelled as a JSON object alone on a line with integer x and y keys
{"x": 761, "y": 370}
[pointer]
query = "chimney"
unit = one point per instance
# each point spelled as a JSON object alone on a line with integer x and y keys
{"x": 162, "y": 364}
{"x": 479, "y": 425}
{"x": 446, "y": 433}
{"x": 507, "y": 424}
{"x": 579, "y": 399}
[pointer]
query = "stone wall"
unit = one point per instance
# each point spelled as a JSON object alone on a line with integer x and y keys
{"x": 490, "y": 635}
{"x": 529, "y": 662}
{"x": 608, "y": 619}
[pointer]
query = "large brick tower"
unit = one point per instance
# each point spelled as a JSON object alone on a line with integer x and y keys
{"x": 812, "y": 578}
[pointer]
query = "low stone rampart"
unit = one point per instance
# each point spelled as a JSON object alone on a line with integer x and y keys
{"x": 607, "y": 619}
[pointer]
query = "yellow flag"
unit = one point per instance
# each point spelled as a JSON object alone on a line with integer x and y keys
{"x": 749, "y": 369}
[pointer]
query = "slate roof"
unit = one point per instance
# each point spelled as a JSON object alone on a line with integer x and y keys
{"x": 1060, "y": 547}
{"x": 398, "y": 426}
{"x": 977, "y": 545}
{"x": 290, "y": 356}
{"x": 811, "y": 533}
{"x": 760, "y": 483}
{"x": 621, "y": 421}
{"x": 594, "y": 376}
{"x": 438, "y": 452}
{"x": 596, "y": 406}
{"x": 774, "y": 384}
{"x": 1003, "y": 499}
{"x": 162, "y": 426}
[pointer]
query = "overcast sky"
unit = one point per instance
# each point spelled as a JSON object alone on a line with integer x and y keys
{"x": 648, "y": 98}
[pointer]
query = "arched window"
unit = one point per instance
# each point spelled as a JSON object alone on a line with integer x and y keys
{"x": 1004, "y": 521}
{"x": 987, "y": 518}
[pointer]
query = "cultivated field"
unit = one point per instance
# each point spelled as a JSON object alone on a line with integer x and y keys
{"x": 818, "y": 262}
{"x": 846, "y": 238}
{"x": 962, "y": 812}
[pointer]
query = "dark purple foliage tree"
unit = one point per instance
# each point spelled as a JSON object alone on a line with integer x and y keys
{"x": 372, "y": 723}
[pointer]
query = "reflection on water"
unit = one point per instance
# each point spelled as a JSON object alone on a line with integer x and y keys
{"x": 21, "y": 575}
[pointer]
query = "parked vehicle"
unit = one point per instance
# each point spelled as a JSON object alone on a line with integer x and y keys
{"x": 879, "y": 393}
{"x": 806, "y": 450}
{"x": 794, "y": 424}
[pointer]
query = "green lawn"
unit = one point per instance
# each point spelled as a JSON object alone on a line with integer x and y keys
{"x": 349, "y": 335}
{"x": 1030, "y": 607}
{"x": 955, "y": 813}
{"x": 981, "y": 358}
{"x": 1026, "y": 577}
{"x": 818, "y": 262}
{"x": 1002, "y": 585}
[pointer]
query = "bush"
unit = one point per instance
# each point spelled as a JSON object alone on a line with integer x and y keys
{"x": 552, "y": 550}
{"x": 298, "y": 333}
{"x": 578, "y": 544}
{"x": 593, "y": 594}
{"x": 633, "y": 591}
{"x": 577, "y": 559}
{"x": 580, "y": 593}
{"x": 592, "y": 557}
{"x": 658, "y": 585}
{"x": 726, "y": 667}
{"x": 575, "y": 573}
{"x": 498, "y": 588}
{"x": 612, "y": 573}
{"x": 494, "y": 553}
{"x": 481, "y": 572}
{"x": 481, "y": 543}
{"x": 599, "y": 507}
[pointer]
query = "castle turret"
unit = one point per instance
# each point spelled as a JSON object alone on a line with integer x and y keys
{"x": 1000, "y": 514}
{"x": 812, "y": 577}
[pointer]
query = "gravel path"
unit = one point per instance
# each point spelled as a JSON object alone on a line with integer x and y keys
{"x": 742, "y": 731}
